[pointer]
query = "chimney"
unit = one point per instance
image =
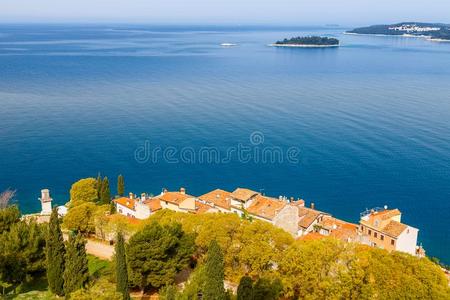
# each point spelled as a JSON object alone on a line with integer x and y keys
{"x": 312, "y": 205}
{"x": 280, "y": 198}
{"x": 130, "y": 195}
{"x": 143, "y": 197}
{"x": 182, "y": 190}
{"x": 164, "y": 191}
{"x": 291, "y": 200}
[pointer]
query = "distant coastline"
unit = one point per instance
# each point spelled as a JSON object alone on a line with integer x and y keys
{"x": 430, "y": 31}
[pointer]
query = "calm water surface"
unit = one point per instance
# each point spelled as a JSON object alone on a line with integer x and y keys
{"x": 371, "y": 119}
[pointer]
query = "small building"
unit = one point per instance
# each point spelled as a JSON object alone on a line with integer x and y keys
{"x": 384, "y": 229}
{"x": 242, "y": 198}
{"x": 308, "y": 219}
{"x": 275, "y": 211}
{"x": 139, "y": 208}
{"x": 219, "y": 199}
{"x": 339, "y": 229}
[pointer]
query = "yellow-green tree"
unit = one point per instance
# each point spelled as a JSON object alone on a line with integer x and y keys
{"x": 81, "y": 218}
{"x": 84, "y": 190}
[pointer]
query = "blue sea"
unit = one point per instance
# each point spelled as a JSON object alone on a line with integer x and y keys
{"x": 361, "y": 126}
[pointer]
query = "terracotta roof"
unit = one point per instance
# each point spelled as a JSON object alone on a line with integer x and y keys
{"x": 394, "y": 228}
{"x": 218, "y": 197}
{"x": 127, "y": 202}
{"x": 340, "y": 229}
{"x": 386, "y": 214}
{"x": 307, "y": 216}
{"x": 312, "y": 236}
{"x": 174, "y": 197}
{"x": 266, "y": 207}
{"x": 243, "y": 194}
{"x": 154, "y": 204}
{"x": 299, "y": 202}
{"x": 201, "y": 208}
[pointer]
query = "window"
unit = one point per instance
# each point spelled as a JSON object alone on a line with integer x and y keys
{"x": 382, "y": 237}
{"x": 392, "y": 242}
{"x": 375, "y": 234}
{"x": 370, "y": 232}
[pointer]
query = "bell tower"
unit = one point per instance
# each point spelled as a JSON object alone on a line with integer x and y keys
{"x": 46, "y": 202}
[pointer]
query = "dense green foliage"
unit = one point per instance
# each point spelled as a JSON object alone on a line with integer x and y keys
{"x": 55, "y": 252}
{"x": 245, "y": 289}
{"x": 157, "y": 253}
{"x": 266, "y": 289}
{"x": 121, "y": 267}
{"x": 84, "y": 190}
{"x": 22, "y": 255}
{"x": 249, "y": 248}
{"x": 76, "y": 273}
{"x": 8, "y": 216}
{"x": 105, "y": 194}
{"x": 120, "y": 185}
{"x": 309, "y": 40}
{"x": 327, "y": 269}
{"x": 100, "y": 290}
{"x": 214, "y": 265}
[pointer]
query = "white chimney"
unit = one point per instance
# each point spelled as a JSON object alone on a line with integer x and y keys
{"x": 131, "y": 196}
{"x": 143, "y": 197}
{"x": 182, "y": 190}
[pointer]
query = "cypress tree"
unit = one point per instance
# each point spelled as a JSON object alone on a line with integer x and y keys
{"x": 105, "y": 196}
{"x": 245, "y": 289}
{"x": 55, "y": 253}
{"x": 121, "y": 267}
{"x": 76, "y": 273}
{"x": 214, "y": 268}
{"x": 120, "y": 186}
{"x": 99, "y": 186}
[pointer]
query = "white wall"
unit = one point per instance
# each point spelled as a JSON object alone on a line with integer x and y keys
{"x": 123, "y": 210}
{"x": 407, "y": 241}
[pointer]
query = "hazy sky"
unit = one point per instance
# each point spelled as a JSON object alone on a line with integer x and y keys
{"x": 300, "y": 12}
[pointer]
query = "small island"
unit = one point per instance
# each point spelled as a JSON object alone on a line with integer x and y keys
{"x": 431, "y": 31}
{"x": 308, "y": 42}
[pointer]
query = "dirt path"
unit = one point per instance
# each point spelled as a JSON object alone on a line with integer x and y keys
{"x": 96, "y": 248}
{"x": 101, "y": 250}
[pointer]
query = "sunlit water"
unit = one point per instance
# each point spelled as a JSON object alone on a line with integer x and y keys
{"x": 371, "y": 119}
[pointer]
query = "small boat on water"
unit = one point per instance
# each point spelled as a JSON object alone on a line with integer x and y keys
{"x": 228, "y": 45}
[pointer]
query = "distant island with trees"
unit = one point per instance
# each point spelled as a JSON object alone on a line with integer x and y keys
{"x": 431, "y": 31}
{"x": 308, "y": 41}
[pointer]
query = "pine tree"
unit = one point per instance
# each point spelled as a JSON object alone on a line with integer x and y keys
{"x": 245, "y": 289}
{"x": 99, "y": 186}
{"x": 214, "y": 268}
{"x": 105, "y": 195}
{"x": 120, "y": 186}
{"x": 76, "y": 273}
{"x": 55, "y": 253}
{"x": 121, "y": 267}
